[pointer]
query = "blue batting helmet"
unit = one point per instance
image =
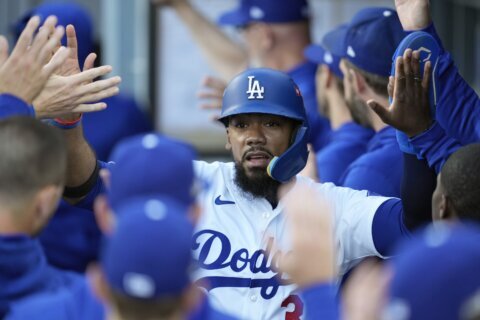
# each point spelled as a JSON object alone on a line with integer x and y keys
{"x": 271, "y": 92}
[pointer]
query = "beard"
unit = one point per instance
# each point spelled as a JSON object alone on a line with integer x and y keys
{"x": 258, "y": 185}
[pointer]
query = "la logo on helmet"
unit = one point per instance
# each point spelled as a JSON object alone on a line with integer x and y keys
{"x": 254, "y": 88}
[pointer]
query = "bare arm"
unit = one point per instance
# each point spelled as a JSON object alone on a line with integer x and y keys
{"x": 414, "y": 14}
{"x": 225, "y": 55}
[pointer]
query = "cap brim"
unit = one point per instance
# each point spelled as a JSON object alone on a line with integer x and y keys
{"x": 334, "y": 41}
{"x": 314, "y": 53}
{"x": 235, "y": 18}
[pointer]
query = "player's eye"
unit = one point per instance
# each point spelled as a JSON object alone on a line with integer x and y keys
{"x": 240, "y": 125}
{"x": 272, "y": 124}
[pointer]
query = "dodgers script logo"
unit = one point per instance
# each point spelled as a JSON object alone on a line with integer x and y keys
{"x": 258, "y": 262}
{"x": 254, "y": 88}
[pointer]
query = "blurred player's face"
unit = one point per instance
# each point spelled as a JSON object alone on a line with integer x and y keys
{"x": 321, "y": 86}
{"x": 256, "y": 138}
{"x": 358, "y": 108}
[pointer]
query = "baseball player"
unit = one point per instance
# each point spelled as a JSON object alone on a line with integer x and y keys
{"x": 348, "y": 139}
{"x": 266, "y": 131}
{"x": 32, "y": 170}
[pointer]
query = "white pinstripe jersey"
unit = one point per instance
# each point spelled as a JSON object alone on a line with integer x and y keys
{"x": 235, "y": 230}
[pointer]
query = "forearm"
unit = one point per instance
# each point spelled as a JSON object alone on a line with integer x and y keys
{"x": 81, "y": 160}
{"x": 418, "y": 184}
{"x": 223, "y": 54}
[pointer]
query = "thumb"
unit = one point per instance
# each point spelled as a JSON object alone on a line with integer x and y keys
{"x": 3, "y": 50}
{"x": 380, "y": 110}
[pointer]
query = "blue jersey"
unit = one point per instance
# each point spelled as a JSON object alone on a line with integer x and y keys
{"x": 348, "y": 143}
{"x": 304, "y": 77}
{"x": 24, "y": 272}
{"x": 458, "y": 105}
{"x": 380, "y": 169}
{"x": 434, "y": 146}
{"x": 77, "y": 303}
{"x": 13, "y": 106}
{"x": 123, "y": 118}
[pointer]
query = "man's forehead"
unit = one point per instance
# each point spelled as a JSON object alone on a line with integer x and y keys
{"x": 257, "y": 116}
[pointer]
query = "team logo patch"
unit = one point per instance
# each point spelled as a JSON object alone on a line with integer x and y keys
{"x": 255, "y": 90}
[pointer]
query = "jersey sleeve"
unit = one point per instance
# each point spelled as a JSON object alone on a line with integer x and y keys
{"x": 321, "y": 302}
{"x": 11, "y": 105}
{"x": 354, "y": 214}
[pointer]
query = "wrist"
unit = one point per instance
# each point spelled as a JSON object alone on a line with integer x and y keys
{"x": 420, "y": 129}
{"x": 67, "y": 123}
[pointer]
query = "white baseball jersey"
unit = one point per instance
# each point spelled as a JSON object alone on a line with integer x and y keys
{"x": 235, "y": 229}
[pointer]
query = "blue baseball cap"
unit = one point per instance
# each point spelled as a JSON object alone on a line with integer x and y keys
{"x": 151, "y": 164}
{"x": 435, "y": 273}
{"x": 370, "y": 39}
{"x": 322, "y": 54}
{"x": 271, "y": 11}
{"x": 67, "y": 13}
{"x": 149, "y": 254}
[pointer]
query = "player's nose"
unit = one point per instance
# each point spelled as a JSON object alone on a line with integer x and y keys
{"x": 255, "y": 135}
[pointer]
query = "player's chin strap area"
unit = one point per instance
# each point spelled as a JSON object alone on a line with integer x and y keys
{"x": 292, "y": 161}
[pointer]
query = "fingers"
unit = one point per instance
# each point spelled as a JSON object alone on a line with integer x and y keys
{"x": 72, "y": 41}
{"x": 100, "y": 85}
{"x": 427, "y": 73}
{"x": 49, "y": 47}
{"x": 89, "y": 61}
{"x": 380, "y": 110}
{"x": 391, "y": 86}
{"x": 399, "y": 79}
{"x": 91, "y": 74}
{"x": 26, "y": 36}
{"x": 92, "y": 107}
{"x": 99, "y": 95}
{"x": 416, "y": 64}
{"x": 43, "y": 34}
{"x": 3, "y": 50}
{"x": 214, "y": 83}
{"x": 214, "y": 105}
{"x": 57, "y": 61}
{"x": 407, "y": 68}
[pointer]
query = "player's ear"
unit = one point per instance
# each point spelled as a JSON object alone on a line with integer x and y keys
{"x": 445, "y": 207}
{"x": 358, "y": 81}
{"x": 104, "y": 215}
{"x": 46, "y": 201}
{"x": 98, "y": 283}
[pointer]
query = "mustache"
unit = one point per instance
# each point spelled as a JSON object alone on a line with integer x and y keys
{"x": 256, "y": 149}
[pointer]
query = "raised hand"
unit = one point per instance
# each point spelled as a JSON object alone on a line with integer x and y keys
{"x": 212, "y": 89}
{"x": 414, "y": 14}
{"x": 71, "y": 92}
{"x": 25, "y": 72}
{"x": 75, "y": 94}
{"x": 410, "y": 110}
{"x": 310, "y": 221}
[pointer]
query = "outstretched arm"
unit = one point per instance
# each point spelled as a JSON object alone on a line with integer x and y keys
{"x": 225, "y": 55}
{"x": 414, "y": 14}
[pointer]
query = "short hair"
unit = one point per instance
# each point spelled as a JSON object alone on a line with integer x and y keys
{"x": 32, "y": 156}
{"x": 461, "y": 181}
{"x": 131, "y": 308}
{"x": 379, "y": 84}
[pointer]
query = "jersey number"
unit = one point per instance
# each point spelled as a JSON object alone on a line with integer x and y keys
{"x": 297, "y": 307}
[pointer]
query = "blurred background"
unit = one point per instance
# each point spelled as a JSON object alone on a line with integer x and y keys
{"x": 162, "y": 67}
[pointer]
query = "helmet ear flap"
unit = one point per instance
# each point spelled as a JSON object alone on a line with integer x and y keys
{"x": 293, "y": 160}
